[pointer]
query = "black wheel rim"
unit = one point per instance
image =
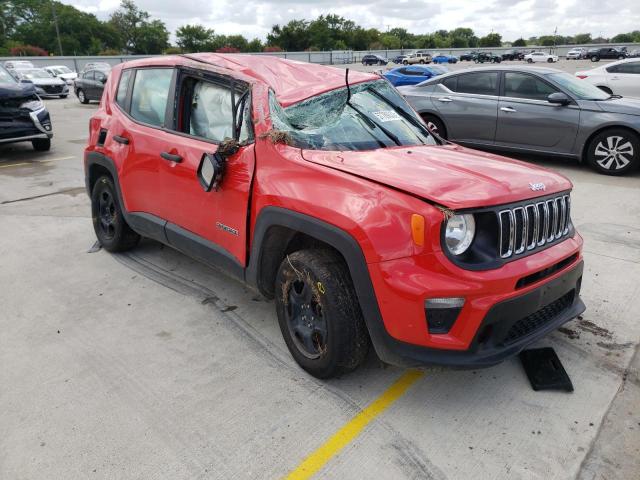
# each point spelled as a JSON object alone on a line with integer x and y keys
{"x": 107, "y": 214}
{"x": 306, "y": 321}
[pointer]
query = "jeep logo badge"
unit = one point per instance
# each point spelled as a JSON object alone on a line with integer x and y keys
{"x": 537, "y": 186}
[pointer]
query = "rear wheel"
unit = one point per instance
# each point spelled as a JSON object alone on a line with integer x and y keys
{"x": 529, "y": 60}
{"x": 112, "y": 230}
{"x": 435, "y": 125}
{"x": 614, "y": 152}
{"x": 41, "y": 144}
{"x": 319, "y": 314}
{"x": 549, "y": 60}
{"x": 422, "y": 62}
{"x": 620, "y": 57}
{"x": 595, "y": 59}
{"x": 404, "y": 62}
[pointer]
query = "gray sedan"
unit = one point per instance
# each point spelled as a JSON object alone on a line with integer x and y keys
{"x": 535, "y": 110}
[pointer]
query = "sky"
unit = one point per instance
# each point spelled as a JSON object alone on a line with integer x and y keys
{"x": 511, "y": 18}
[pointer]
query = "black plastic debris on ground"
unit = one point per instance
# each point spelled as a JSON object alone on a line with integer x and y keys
{"x": 544, "y": 369}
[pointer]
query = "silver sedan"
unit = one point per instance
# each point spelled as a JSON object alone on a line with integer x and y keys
{"x": 534, "y": 110}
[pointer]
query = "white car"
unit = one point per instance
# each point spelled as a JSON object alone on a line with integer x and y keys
{"x": 62, "y": 72}
{"x": 540, "y": 57}
{"x": 616, "y": 78}
{"x": 576, "y": 53}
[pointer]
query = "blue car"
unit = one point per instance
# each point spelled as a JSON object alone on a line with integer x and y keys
{"x": 440, "y": 58}
{"x": 413, "y": 74}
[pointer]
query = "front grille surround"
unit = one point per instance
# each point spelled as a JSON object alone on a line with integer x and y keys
{"x": 532, "y": 225}
{"x": 509, "y": 232}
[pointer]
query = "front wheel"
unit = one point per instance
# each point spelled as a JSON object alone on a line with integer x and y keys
{"x": 614, "y": 152}
{"x": 82, "y": 97}
{"x": 595, "y": 59}
{"x": 112, "y": 230}
{"x": 435, "y": 125}
{"x": 421, "y": 62}
{"x": 529, "y": 60}
{"x": 405, "y": 62}
{"x": 319, "y": 314}
{"x": 620, "y": 57}
{"x": 549, "y": 60}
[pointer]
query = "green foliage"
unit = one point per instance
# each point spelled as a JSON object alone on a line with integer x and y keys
{"x": 521, "y": 42}
{"x": 623, "y": 38}
{"x": 194, "y": 38}
{"x": 491, "y": 40}
{"x": 138, "y": 34}
{"x": 582, "y": 38}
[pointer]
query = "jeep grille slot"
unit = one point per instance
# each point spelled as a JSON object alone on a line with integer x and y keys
{"x": 531, "y": 225}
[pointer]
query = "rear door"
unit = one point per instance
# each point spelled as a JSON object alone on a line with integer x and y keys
{"x": 624, "y": 79}
{"x": 468, "y": 104}
{"x": 527, "y": 120}
{"x": 98, "y": 85}
{"x": 204, "y": 121}
{"x": 87, "y": 84}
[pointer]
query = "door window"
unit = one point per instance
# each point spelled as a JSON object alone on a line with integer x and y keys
{"x": 150, "y": 94}
{"x": 123, "y": 86}
{"x": 100, "y": 77}
{"x": 89, "y": 75}
{"x": 522, "y": 85}
{"x": 479, "y": 83}
{"x": 209, "y": 111}
{"x": 629, "y": 67}
{"x": 451, "y": 83}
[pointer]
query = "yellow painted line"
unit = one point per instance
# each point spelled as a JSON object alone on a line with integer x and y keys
{"x": 14, "y": 165}
{"x": 353, "y": 428}
{"x": 36, "y": 162}
{"x": 57, "y": 159}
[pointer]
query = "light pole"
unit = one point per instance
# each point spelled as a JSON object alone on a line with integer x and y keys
{"x": 55, "y": 22}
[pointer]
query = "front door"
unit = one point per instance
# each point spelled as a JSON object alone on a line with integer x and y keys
{"x": 527, "y": 120}
{"x": 205, "y": 122}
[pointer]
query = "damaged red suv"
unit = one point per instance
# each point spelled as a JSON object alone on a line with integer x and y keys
{"x": 331, "y": 196}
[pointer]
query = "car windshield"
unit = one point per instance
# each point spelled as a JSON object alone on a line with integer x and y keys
{"x": 61, "y": 70}
{"x": 375, "y": 116}
{"x": 5, "y": 77}
{"x": 579, "y": 88}
{"x": 35, "y": 73}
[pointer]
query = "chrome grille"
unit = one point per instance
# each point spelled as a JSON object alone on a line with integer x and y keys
{"x": 532, "y": 225}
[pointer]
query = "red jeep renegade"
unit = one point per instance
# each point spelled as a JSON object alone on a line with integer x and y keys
{"x": 327, "y": 192}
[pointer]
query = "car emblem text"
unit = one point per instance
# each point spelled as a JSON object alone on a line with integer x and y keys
{"x": 537, "y": 186}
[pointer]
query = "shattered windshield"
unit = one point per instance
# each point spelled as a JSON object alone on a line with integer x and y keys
{"x": 375, "y": 116}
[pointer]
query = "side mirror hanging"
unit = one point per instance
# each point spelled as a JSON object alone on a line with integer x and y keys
{"x": 211, "y": 171}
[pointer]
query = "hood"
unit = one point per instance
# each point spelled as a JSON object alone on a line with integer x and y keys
{"x": 625, "y": 105}
{"x": 16, "y": 90}
{"x": 450, "y": 175}
{"x": 47, "y": 81}
{"x": 68, "y": 76}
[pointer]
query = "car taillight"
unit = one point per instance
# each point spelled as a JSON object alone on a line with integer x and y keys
{"x": 582, "y": 77}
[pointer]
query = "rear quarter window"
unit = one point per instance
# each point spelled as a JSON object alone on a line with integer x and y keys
{"x": 150, "y": 95}
{"x": 123, "y": 88}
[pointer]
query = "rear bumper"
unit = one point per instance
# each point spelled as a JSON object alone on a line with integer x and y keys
{"x": 508, "y": 327}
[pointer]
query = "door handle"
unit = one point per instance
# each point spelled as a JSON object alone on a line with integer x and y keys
{"x": 508, "y": 109}
{"x": 122, "y": 140}
{"x": 445, "y": 99}
{"x": 170, "y": 157}
{"x": 615, "y": 78}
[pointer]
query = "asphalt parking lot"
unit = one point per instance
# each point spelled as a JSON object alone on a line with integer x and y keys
{"x": 150, "y": 365}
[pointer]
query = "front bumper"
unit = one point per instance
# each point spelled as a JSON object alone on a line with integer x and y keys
{"x": 508, "y": 327}
{"x": 21, "y": 126}
{"x": 501, "y": 314}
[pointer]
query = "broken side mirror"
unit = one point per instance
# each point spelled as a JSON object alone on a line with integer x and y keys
{"x": 211, "y": 171}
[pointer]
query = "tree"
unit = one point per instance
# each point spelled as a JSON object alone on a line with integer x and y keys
{"x": 194, "y": 38}
{"x": 582, "y": 38}
{"x": 491, "y": 40}
{"x": 292, "y": 36}
{"x": 139, "y": 35}
{"x": 520, "y": 42}
{"x": 623, "y": 38}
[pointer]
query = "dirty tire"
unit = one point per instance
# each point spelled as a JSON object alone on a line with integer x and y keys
{"x": 319, "y": 313}
{"x": 615, "y": 151}
{"x": 112, "y": 231}
{"x": 41, "y": 144}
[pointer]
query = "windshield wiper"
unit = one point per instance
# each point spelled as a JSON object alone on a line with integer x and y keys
{"x": 370, "y": 120}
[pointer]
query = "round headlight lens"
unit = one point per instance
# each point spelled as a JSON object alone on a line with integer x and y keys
{"x": 459, "y": 233}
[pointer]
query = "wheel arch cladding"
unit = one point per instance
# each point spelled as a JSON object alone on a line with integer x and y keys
{"x": 291, "y": 227}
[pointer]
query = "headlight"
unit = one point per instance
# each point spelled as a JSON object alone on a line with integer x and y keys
{"x": 33, "y": 104}
{"x": 459, "y": 233}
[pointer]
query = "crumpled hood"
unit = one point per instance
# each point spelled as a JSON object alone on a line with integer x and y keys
{"x": 16, "y": 90}
{"x": 449, "y": 175}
